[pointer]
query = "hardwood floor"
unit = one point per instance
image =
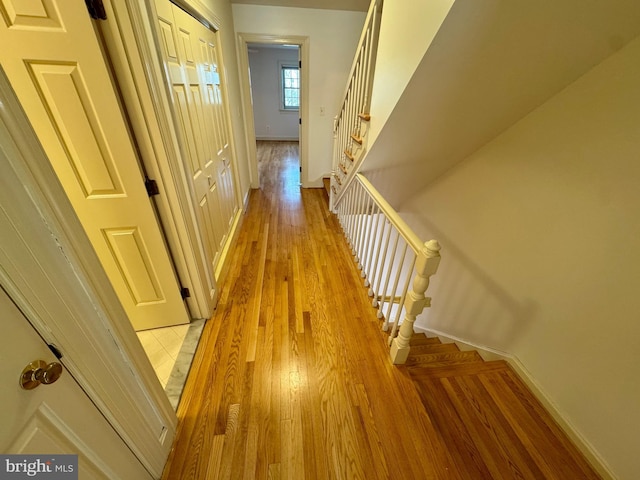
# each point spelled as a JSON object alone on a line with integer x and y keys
{"x": 292, "y": 377}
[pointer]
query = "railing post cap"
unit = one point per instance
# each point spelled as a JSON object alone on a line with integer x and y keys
{"x": 431, "y": 248}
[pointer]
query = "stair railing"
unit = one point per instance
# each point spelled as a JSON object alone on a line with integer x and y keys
{"x": 395, "y": 264}
{"x": 347, "y": 125}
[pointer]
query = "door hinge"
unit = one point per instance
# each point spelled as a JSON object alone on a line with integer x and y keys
{"x": 96, "y": 9}
{"x": 55, "y": 351}
{"x": 299, "y": 63}
{"x": 300, "y": 169}
{"x": 185, "y": 293}
{"x": 152, "y": 187}
{"x": 300, "y": 121}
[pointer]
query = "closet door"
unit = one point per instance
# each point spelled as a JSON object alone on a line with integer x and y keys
{"x": 179, "y": 47}
{"x": 190, "y": 56}
{"x": 53, "y": 59}
{"x": 223, "y": 149}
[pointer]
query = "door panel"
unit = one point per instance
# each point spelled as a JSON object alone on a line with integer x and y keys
{"x": 55, "y": 65}
{"x": 189, "y": 51}
{"x": 54, "y": 419}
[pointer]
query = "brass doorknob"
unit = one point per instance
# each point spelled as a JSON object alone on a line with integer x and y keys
{"x": 38, "y": 372}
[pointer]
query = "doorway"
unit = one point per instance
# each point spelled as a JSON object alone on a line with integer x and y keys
{"x": 267, "y": 46}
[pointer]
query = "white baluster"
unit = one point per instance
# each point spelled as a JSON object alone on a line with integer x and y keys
{"x": 374, "y": 245}
{"x": 406, "y": 284}
{"x": 386, "y": 237}
{"x": 416, "y": 301}
{"x": 392, "y": 257}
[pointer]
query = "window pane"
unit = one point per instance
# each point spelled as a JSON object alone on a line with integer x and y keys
{"x": 290, "y": 87}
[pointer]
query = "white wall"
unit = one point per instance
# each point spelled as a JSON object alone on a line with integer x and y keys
{"x": 271, "y": 122}
{"x": 333, "y": 37}
{"x": 540, "y": 234}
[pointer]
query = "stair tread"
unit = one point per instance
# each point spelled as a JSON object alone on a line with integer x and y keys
{"x": 432, "y": 360}
{"x": 365, "y": 116}
{"x": 349, "y": 155}
{"x": 327, "y": 185}
{"x": 461, "y": 370}
{"x": 356, "y": 139}
{"x": 433, "y": 348}
{"x": 422, "y": 339}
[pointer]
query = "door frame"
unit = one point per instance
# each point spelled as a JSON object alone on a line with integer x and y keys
{"x": 244, "y": 39}
{"x": 50, "y": 270}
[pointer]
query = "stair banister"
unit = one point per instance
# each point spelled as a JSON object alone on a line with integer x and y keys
{"x": 388, "y": 252}
{"x": 353, "y": 115}
{"x": 416, "y": 301}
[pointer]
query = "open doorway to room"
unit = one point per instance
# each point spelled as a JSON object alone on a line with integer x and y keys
{"x": 274, "y": 72}
{"x": 274, "y": 78}
{"x": 275, "y": 91}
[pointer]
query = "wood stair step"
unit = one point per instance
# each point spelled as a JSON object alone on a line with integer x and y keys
{"x": 433, "y": 360}
{"x": 433, "y": 348}
{"x": 422, "y": 339}
{"x": 349, "y": 155}
{"x": 356, "y": 139}
{"x": 327, "y": 185}
{"x": 364, "y": 116}
{"x": 465, "y": 369}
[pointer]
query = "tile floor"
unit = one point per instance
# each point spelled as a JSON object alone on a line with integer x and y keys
{"x": 163, "y": 346}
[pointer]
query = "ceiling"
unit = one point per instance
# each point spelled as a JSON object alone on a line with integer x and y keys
{"x": 354, "y": 5}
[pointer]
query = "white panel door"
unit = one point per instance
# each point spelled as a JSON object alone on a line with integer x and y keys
{"x": 212, "y": 79}
{"x": 54, "y": 419}
{"x": 189, "y": 51}
{"x": 54, "y": 62}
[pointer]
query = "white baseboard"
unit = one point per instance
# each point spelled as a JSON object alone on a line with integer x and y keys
{"x": 245, "y": 202}
{"x": 278, "y": 139}
{"x": 489, "y": 354}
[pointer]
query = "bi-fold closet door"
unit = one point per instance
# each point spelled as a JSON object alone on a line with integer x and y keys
{"x": 54, "y": 61}
{"x": 190, "y": 53}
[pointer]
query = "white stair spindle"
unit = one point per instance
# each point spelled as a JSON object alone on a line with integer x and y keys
{"x": 383, "y": 291}
{"x": 394, "y": 289}
{"x": 406, "y": 283}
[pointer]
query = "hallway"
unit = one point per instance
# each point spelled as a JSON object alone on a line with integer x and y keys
{"x": 292, "y": 377}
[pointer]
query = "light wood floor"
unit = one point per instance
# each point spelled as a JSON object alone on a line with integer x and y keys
{"x": 292, "y": 378}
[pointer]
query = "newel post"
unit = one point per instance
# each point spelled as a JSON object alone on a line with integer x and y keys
{"x": 416, "y": 301}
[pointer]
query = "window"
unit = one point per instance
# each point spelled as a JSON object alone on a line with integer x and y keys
{"x": 290, "y": 82}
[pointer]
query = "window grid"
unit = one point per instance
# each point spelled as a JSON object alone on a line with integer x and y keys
{"x": 290, "y": 87}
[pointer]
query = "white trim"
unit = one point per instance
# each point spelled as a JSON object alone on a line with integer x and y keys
{"x": 277, "y": 139}
{"x": 489, "y": 354}
{"x": 50, "y": 270}
{"x": 201, "y": 12}
{"x": 245, "y": 90}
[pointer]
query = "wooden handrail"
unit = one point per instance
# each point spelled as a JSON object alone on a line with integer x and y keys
{"x": 405, "y": 230}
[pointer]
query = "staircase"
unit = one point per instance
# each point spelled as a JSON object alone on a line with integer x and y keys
{"x": 351, "y": 125}
{"x": 488, "y": 420}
